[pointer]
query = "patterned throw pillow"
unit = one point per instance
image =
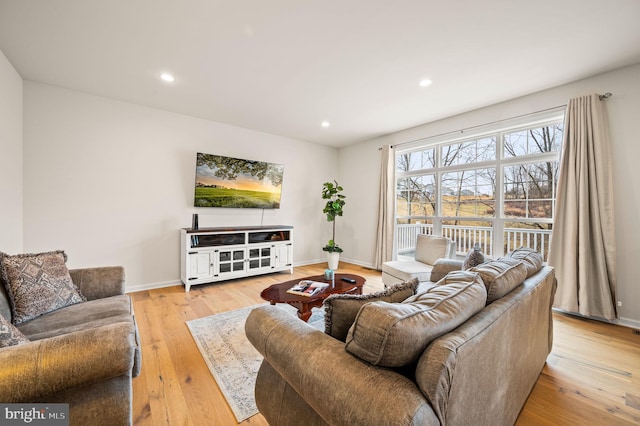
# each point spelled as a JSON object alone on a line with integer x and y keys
{"x": 474, "y": 258}
{"x": 341, "y": 309}
{"x": 37, "y": 284}
{"x": 9, "y": 335}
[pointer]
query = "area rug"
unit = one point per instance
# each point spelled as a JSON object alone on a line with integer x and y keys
{"x": 232, "y": 360}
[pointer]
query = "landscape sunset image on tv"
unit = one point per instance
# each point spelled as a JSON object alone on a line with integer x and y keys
{"x": 234, "y": 182}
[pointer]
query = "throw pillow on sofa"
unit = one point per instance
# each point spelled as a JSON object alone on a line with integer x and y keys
{"x": 474, "y": 258}
{"x": 396, "y": 334}
{"x": 341, "y": 309}
{"x": 9, "y": 334}
{"x": 501, "y": 276}
{"x": 531, "y": 258}
{"x": 37, "y": 284}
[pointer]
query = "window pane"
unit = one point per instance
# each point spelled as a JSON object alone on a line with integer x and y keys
{"x": 529, "y": 190}
{"x": 402, "y": 197}
{"x": 418, "y": 160}
{"x": 416, "y": 196}
{"x": 469, "y": 193}
{"x": 533, "y": 141}
{"x": 533, "y": 235}
{"x": 469, "y": 152}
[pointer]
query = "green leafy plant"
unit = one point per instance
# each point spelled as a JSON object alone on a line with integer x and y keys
{"x": 332, "y": 192}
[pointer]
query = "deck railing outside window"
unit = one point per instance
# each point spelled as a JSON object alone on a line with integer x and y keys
{"x": 466, "y": 237}
{"x": 537, "y": 239}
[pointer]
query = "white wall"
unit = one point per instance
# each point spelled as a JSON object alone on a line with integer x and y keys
{"x": 358, "y": 165}
{"x": 111, "y": 183}
{"x": 10, "y": 158}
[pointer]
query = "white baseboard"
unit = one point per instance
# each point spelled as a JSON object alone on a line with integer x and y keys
{"x": 357, "y": 262}
{"x": 628, "y": 322}
{"x": 625, "y": 322}
{"x": 152, "y": 286}
{"x": 309, "y": 262}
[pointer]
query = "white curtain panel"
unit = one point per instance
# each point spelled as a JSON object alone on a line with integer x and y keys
{"x": 583, "y": 242}
{"x": 386, "y": 207}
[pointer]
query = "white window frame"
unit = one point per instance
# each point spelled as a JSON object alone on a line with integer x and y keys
{"x": 497, "y": 129}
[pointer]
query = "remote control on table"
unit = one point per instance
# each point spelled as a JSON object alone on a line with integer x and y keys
{"x": 349, "y": 280}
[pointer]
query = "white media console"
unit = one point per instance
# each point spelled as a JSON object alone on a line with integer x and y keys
{"x": 215, "y": 254}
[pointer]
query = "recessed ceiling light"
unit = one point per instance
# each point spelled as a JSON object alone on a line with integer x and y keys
{"x": 325, "y": 124}
{"x": 425, "y": 83}
{"x": 167, "y": 77}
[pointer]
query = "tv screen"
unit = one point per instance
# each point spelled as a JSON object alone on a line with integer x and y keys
{"x": 234, "y": 182}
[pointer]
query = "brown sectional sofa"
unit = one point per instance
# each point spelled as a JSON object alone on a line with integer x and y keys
{"x": 479, "y": 373}
{"x": 84, "y": 354}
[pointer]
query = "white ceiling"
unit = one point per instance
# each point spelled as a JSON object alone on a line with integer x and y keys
{"x": 284, "y": 66}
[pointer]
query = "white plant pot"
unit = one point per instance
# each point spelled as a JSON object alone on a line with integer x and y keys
{"x": 333, "y": 259}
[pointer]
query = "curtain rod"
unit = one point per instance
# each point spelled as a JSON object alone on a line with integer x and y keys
{"x": 601, "y": 97}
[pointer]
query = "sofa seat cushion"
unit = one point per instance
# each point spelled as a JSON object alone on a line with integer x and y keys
{"x": 531, "y": 258}
{"x": 406, "y": 270}
{"x": 341, "y": 309}
{"x": 500, "y": 276}
{"x": 81, "y": 316}
{"x": 37, "y": 284}
{"x": 396, "y": 334}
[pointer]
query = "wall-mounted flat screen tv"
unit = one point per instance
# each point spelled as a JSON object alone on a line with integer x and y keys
{"x": 234, "y": 182}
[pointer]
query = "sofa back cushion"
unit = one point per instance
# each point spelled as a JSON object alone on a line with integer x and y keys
{"x": 341, "y": 309}
{"x": 430, "y": 248}
{"x": 531, "y": 258}
{"x": 501, "y": 276}
{"x": 396, "y": 334}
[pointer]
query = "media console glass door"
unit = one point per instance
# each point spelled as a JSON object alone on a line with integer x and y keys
{"x": 230, "y": 261}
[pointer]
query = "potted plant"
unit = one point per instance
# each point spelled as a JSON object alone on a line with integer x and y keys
{"x": 332, "y": 192}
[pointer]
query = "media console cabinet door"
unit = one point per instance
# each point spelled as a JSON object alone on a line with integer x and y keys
{"x": 231, "y": 261}
{"x": 283, "y": 255}
{"x": 260, "y": 258}
{"x": 200, "y": 265}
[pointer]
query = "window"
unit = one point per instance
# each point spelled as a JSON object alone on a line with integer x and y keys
{"x": 495, "y": 187}
{"x": 469, "y": 193}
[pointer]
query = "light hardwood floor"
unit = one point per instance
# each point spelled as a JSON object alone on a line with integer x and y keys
{"x": 592, "y": 376}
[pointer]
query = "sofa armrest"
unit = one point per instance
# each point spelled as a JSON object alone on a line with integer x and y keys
{"x": 32, "y": 371}
{"x": 354, "y": 392}
{"x": 98, "y": 283}
{"x": 443, "y": 266}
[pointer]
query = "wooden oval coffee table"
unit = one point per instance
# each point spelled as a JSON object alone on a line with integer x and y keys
{"x": 277, "y": 293}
